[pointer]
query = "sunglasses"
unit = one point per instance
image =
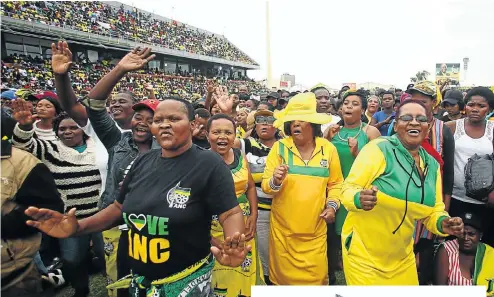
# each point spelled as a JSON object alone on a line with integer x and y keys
{"x": 408, "y": 118}
{"x": 269, "y": 120}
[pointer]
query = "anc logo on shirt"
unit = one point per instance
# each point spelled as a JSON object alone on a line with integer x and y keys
{"x": 324, "y": 163}
{"x": 177, "y": 197}
{"x": 139, "y": 221}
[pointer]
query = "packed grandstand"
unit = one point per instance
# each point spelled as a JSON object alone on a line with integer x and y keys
{"x": 23, "y": 67}
{"x": 101, "y": 18}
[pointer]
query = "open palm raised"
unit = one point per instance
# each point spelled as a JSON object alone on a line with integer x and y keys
{"x": 23, "y": 112}
{"x": 232, "y": 251}
{"x": 225, "y": 102}
{"x": 61, "y": 58}
{"x": 136, "y": 59}
{"x": 52, "y": 222}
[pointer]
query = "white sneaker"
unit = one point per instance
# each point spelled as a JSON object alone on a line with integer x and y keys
{"x": 55, "y": 278}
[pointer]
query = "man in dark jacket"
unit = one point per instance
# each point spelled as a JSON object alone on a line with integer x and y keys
{"x": 26, "y": 181}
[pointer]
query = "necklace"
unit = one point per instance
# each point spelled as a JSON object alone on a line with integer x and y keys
{"x": 346, "y": 139}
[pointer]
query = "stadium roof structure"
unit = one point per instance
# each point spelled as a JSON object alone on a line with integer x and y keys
{"x": 45, "y": 31}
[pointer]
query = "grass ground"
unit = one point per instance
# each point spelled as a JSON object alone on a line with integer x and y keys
{"x": 98, "y": 284}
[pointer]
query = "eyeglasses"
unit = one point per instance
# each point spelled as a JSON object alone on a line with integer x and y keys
{"x": 268, "y": 120}
{"x": 408, "y": 118}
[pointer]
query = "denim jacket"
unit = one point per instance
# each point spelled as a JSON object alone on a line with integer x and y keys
{"x": 122, "y": 151}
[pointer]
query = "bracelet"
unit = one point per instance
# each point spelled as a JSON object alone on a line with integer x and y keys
{"x": 273, "y": 186}
{"x": 333, "y": 205}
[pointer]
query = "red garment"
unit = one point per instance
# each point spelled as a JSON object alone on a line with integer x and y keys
{"x": 429, "y": 149}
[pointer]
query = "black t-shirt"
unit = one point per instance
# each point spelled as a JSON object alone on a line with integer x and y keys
{"x": 204, "y": 143}
{"x": 168, "y": 204}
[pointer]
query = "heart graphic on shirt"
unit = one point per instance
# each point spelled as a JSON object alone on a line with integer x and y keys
{"x": 138, "y": 221}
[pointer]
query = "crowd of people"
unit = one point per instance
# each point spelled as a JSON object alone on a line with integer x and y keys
{"x": 212, "y": 197}
{"x": 26, "y": 72}
{"x": 101, "y": 18}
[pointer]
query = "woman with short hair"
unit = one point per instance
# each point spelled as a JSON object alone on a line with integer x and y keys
{"x": 168, "y": 242}
{"x": 392, "y": 184}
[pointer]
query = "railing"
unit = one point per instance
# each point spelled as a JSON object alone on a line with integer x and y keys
{"x": 120, "y": 40}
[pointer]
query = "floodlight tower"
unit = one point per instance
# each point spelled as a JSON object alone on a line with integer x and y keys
{"x": 465, "y": 67}
{"x": 268, "y": 47}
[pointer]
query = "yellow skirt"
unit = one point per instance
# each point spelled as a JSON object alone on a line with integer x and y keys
{"x": 233, "y": 282}
{"x": 297, "y": 260}
{"x": 111, "y": 238}
{"x": 359, "y": 270}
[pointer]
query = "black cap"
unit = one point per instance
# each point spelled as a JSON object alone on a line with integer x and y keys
{"x": 243, "y": 97}
{"x": 471, "y": 219}
{"x": 274, "y": 95}
{"x": 453, "y": 96}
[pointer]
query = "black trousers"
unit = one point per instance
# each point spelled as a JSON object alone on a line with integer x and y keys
{"x": 123, "y": 268}
{"x": 334, "y": 244}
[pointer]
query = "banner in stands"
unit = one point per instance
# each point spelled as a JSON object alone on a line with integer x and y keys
{"x": 448, "y": 70}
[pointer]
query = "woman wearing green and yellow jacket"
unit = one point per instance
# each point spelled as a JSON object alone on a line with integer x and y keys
{"x": 304, "y": 177}
{"x": 393, "y": 183}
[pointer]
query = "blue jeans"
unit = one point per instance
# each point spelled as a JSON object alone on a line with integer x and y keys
{"x": 75, "y": 252}
{"x": 39, "y": 264}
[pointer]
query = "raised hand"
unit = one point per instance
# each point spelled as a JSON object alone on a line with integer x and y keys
{"x": 225, "y": 102}
{"x": 353, "y": 145}
{"x": 52, "y": 222}
{"x": 331, "y": 131}
{"x": 197, "y": 128}
{"x": 148, "y": 87}
{"x": 61, "y": 58}
{"x": 368, "y": 198}
{"x": 328, "y": 215}
{"x": 232, "y": 252}
{"x": 279, "y": 174}
{"x": 453, "y": 226}
{"x": 23, "y": 112}
{"x": 210, "y": 86}
{"x": 136, "y": 59}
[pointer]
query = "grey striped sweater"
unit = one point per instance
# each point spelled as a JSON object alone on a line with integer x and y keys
{"x": 77, "y": 177}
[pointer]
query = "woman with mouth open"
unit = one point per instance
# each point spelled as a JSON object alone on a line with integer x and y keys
{"x": 71, "y": 159}
{"x": 221, "y": 136}
{"x": 167, "y": 200}
{"x": 303, "y": 177}
{"x": 256, "y": 149}
{"x": 349, "y": 139}
{"x": 373, "y": 105}
{"x": 392, "y": 184}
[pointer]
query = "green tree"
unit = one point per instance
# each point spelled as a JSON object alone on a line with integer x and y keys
{"x": 420, "y": 76}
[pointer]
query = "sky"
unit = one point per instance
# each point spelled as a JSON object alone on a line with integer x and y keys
{"x": 350, "y": 41}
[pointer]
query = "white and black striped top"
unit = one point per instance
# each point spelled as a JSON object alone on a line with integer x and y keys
{"x": 77, "y": 177}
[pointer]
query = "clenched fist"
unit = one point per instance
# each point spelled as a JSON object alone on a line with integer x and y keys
{"x": 279, "y": 174}
{"x": 368, "y": 198}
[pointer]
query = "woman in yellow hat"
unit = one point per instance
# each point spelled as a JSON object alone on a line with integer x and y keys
{"x": 303, "y": 175}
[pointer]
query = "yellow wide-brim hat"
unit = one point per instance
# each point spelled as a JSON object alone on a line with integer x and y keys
{"x": 301, "y": 107}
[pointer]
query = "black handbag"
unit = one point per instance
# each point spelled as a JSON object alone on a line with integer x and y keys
{"x": 479, "y": 177}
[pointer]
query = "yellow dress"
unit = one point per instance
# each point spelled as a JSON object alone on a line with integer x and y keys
{"x": 228, "y": 281}
{"x": 297, "y": 239}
